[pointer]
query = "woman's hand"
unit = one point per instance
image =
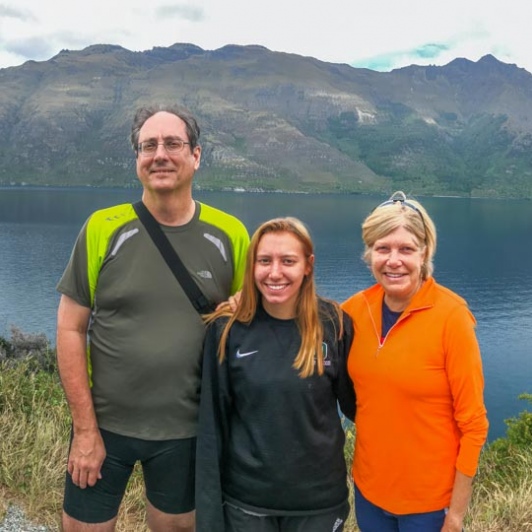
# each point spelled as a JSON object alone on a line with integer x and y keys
{"x": 452, "y": 523}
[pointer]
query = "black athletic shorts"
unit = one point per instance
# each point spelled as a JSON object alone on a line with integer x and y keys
{"x": 169, "y": 476}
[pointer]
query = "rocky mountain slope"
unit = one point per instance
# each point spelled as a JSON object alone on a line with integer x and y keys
{"x": 273, "y": 121}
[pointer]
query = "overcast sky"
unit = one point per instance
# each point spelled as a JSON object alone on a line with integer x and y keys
{"x": 377, "y": 34}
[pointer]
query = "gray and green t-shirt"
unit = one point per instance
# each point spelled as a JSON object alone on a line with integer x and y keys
{"x": 145, "y": 337}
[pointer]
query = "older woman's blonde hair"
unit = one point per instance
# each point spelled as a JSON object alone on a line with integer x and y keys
{"x": 400, "y": 211}
{"x": 307, "y": 308}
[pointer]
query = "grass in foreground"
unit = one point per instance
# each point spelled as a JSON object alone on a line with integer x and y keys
{"x": 35, "y": 428}
{"x": 34, "y": 435}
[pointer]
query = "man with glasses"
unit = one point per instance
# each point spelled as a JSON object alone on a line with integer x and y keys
{"x": 133, "y": 391}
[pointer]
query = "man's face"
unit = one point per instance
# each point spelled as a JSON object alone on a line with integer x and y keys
{"x": 161, "y": 171}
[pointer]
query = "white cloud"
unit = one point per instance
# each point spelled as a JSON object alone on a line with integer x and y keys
{"x": 375, "y": 33}
{"x": 186, "y": 12}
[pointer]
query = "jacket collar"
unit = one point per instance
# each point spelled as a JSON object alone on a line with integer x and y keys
{"x": 423, "y": 298}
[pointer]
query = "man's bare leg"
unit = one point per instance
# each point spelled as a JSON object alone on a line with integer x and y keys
{"x": 73, "y": 525}
{"x": 162, "y": 522}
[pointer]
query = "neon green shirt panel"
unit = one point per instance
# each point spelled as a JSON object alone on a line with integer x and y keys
{"x": 239, "y": 238}
{"x": 100, "y": 229}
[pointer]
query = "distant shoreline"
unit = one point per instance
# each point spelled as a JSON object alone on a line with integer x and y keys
{"x": 241, "y": 190}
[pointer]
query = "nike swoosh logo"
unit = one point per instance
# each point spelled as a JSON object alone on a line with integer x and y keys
{"x": 242, "y": 355}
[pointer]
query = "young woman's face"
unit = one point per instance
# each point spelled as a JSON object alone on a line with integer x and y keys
{"x": 279, "y": 270}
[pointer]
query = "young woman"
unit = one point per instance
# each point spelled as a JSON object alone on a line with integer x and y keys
{"x": 270, "y": 438}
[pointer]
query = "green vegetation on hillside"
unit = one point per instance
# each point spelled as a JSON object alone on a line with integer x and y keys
{"x": 477, "y": 158}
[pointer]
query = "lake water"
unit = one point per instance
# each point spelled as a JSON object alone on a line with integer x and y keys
{"x": 484, "y": 254}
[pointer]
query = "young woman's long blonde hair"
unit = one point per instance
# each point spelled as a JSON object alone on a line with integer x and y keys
{"x": 307, "y": 309}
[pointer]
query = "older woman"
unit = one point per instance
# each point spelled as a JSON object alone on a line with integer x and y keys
{"x": 416, "y": 367}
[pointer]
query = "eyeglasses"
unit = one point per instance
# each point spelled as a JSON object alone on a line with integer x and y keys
{"x": 149, "y": 147}
{"x": 400, "y": 197}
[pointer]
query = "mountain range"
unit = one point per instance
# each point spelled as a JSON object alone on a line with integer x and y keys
{"x": 273, "y": 121}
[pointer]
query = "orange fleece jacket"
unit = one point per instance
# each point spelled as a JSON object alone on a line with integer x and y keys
{"x": 420, "y": 408}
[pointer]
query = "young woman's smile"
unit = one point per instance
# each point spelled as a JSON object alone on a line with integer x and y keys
{"x": 279, "y": 271}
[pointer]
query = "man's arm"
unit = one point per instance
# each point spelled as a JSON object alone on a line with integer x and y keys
{"x": 87, "y": 451}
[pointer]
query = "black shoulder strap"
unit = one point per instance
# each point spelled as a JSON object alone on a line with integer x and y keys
{"x": 200, "y": 302}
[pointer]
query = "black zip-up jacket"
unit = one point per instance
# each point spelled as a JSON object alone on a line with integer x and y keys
{"x": 270, "y": 441}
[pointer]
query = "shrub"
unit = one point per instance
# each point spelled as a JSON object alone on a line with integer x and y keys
{"x": 34, "y": 349}
{"x": 518, "y": 434}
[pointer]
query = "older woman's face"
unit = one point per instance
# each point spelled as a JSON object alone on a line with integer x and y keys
{"x": 396, "y": 262}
